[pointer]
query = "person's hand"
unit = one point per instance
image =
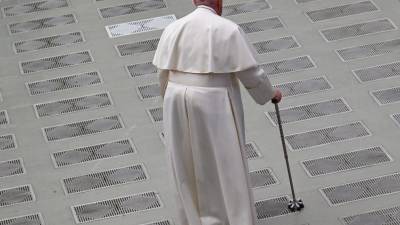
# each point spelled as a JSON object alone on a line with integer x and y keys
{"x": 277, "y": 97}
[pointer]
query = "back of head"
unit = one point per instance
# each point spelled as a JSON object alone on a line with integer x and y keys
{"x": 215, "y": 4}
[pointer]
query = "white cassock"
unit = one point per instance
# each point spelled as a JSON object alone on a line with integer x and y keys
{"x": 200, "y": 58}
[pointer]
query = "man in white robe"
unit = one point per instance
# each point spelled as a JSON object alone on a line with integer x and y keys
{"x": 200, "y": 58}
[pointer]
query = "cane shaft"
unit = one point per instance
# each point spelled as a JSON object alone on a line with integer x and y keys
{"x": 284, "y": 150}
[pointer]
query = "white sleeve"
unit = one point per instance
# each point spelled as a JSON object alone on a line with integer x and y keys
{"x": 256, "y": 82}
{"x": 163, "y": 78}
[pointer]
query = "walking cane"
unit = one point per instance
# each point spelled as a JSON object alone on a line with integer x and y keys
{"x": 294, "y": 204}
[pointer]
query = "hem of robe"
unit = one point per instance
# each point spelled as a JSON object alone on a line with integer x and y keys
{"x": 238, "y": 122}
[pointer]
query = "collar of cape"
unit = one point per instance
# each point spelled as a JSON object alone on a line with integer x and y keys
{"x": 208, "y": 8}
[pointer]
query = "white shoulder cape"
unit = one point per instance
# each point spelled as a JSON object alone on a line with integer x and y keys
{"x": 203, "y": 42}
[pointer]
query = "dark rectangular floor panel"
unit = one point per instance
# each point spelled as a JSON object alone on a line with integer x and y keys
{"x": 262, "y": 178}
{"x": 40, "y": 24}
{"x": 165, "y": 222}
{"x": 261, "y": 25}
{"x": 378, "y": 72}
{"x": 48, "y": 42}
{"x": 304, "y": 86}
{"x": 82, "y": 128}
{"x": 3, "y": 117}
{"x": 288, "y": 65}
{"x": 379, "y": 217}
{"x": 304, "y": 1}
{"x": 363, "y": 189}
{"x": 11, "y": 168}
{"x": 16, "y": 195}
{"x": 138, "y": 47}
{"x": 346, "y": 161}
{"x": 387, "y": 96}
{"x": 116, "y": 207}
{"x": 149, "y": 91}
{"x": 141, "y": 69}
{"x": 56, "y": 62}
{"x": 139, "y": 26}
{"x": 251, "y": 151}
{"x": 132, "y": 8}
{"x": 396, "y": 118}
{"x": 355, "y": 30}
{"x": 274, "y": 45}
{"x": 369, "y": 50}
{"x": 156, "y": 114}
{"x": 104, "y": 179}
{"x": 64, "y": 83}
{"x": 34, "y": 219}
{"x": 73, "y": 105}
{"x": 34, "y": 7}
{"x": 94, "y": 152}
{"x": 7, "y": 142}
{"x": 272, "y": 207}
{"x": 340, "y": 11}
{"x": 250, "y": 6}
{"x": 327, "y": 135}
{"x": 310, "y": 111}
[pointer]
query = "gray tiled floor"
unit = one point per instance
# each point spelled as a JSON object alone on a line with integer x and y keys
{"x": 80, "y": 130}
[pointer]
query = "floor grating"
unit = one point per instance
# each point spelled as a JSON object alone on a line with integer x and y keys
{"x": 272, "y": 207}
{"x": 34, "y": 219}
{"x": 396, "y": 118}
{"x": 116, "y": 207}
{"x": 302, "y": 87}
{"x": 341, "y": 11}
{"x": 251, "y": 151}
{"x": 7, "y": 142}
{"x": 327, "y": 135}
{"x": 11, "y": 168}
{"x": 346, "y": 161}
{"x": 261, "y": 25}
{"x": 149, "y": 91}
{"x": 371, "y": 27}
{"x": 18, "y": 10}
{"x": 132, "y": 8}
{"x": 104, "y": 179}
{"x": 41, "y": 24}
{"x": 141, "y": 69}
{"x": 89, "y": 102}
{"x": 94, "y": 152}
{"x": 288, "y": 65}
{"x": 304, "y": 1}
{"x": 139, "y": 26}
{"x": 165, "y": 222}
{"x": 262, "y": 178}
{"x": 275, "y": 45}
{"x": 156, "y": 114}
{"x": 82, "y": 128}
{"x": 310, "y": 111}
{"x": 387, "y": 96}
{"x": 369, "y": 50}
{"x": 16, "y": 195}
{"x": 64, "y": 83}
{"x": 378, "y": 72}
{"x": 362, "y": 189}
{"x": 379, "y": 217}
{"x": 56, "y": 62}
{"x": 138, "y": 47}
{"x": 251, "y": 6}
{"x": 48, "y": 42}
{"x": 3, "y": 117}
